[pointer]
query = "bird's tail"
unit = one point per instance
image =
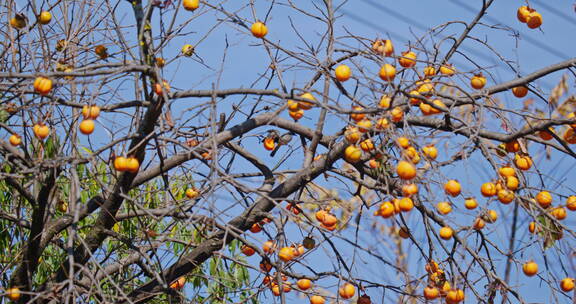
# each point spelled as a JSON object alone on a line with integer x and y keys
{"x": 275, "y": 150}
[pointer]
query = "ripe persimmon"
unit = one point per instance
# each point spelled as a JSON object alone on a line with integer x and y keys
{"x": 544, "y": 199}
{"x": 447, "y": 70}
{"x": 43, "y": 85}
{"x": 444, "y": 208}
{"x": 305, "y": 105}
{"x": 571, "y": 203}
{"x": 15, "y": 140}
{"x": 530, "y": 268}
{"x": 352, "y": 154}
{"x": 90, "y": 111}
{"x": 357, "y": 116}
{"x": 520, "y": 91}
{"x": 192, "y": 193}
{"x": 132, "y": 164}
{"x": 384, "y": 102}
{"x": 429, "y": 71}
{"x": 179, "y": 283}
{"x": 13, "y": 293}
{"x": 87, "y": 126}
{"x": 523, "y": 13}
{"x": 446, "y": 233}
{"x": 296, "y": 115}
{"x": 452, "y": 188}
{"x": 41, "y": 131}
{"x": 190, "y": 5}
{"x": 342, "y": 72}
{"x": 269, "y": 144}
{"x": 316, "y": 299}
{"x": 367, "y": 145}
{"x": 534, "y": 20}
{"x": 408, "y": 59}
{"x": 405, "y": 170}
{"x": 386, "y": 210}
{"x": 507, "y": 171}
{"x": 304, "y": 284}
{"x": 505, "y": 196}
{"x": 409, "y": 189}
{"x": 187, "y": 50}
{"x": 479, "y": 224}
{"x": 286, "y": 254}
{"x": 45, "y": 17}
{"x": 101, "y": 51}
{"x": 478, "y": 81}
{"x": 352, "y": 134}
{"x": 523, "y": 162}
{"x": 259, "y": 29}
{"x": 387, "y": 72}
{"x": 567, "y": 284}
{"x": 431, "y": 292}
{"x": 347, "y": 291}
{"x": 559, "y": 213}
{"x": 397, "y": 114}
{"x": 383, "y": 47}
{"x": 255, "y": 228}
{"x": 470, "y": 203}
{"x": 247, "y": 250}
{"x": 430, "y": 151}
{"x": 406, "y": 204}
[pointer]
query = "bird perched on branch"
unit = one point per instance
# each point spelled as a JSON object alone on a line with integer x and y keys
{"x": 272, "y": 135}
{"x": 283, "y": 140}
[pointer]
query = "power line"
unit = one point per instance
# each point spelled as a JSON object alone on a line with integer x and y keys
{"x": 528, "y": 38}
{"x": 402, "y": 17}
{"x": 554, "y": 11}
{"x": 395, "y": 36}
{"x": 392, "y": 34}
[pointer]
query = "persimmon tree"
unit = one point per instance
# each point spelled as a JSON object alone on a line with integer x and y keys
{"x": 135, "y": 147}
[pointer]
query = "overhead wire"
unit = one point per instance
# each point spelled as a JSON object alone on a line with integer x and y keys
{"x": 528, "y": 38}
{"x": 555, "y": 11}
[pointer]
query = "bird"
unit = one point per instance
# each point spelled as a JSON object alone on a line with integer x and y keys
{"x": 285, "y": 139}
{"x": 272, "y": 134}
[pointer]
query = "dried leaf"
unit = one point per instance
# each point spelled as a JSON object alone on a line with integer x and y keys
{"x": 560, "y": 89}
{"x": 568, "y": 106}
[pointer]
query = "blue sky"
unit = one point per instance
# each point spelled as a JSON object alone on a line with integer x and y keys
{"x": 246, "y": 60}
{"x": 402, "y": 21}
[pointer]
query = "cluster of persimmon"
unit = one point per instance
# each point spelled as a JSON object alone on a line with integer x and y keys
{"x": 327, "y": 220}
{"x": 424, "y": 87}
{"x": 126, "y": 164}
{"x": 406, "y": 171}
{"x": 90, "y": 113}
{"x": 530, "y": 16}
{"x": 257, "y": 227}
{"x": 285, "y": 254}
{"x": 362, "y": 124}
{"x": 438, "y": 286}
{"x": 346, "y": 291}
{"x": 296, "y": 108}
